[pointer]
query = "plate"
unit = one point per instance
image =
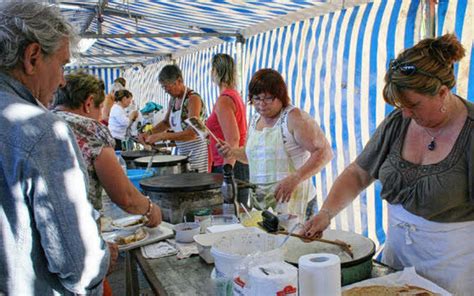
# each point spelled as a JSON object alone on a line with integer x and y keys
{"x": 112, "y": 236}
{"x": 128, "y": 223}
{"x": 362, "y": 247}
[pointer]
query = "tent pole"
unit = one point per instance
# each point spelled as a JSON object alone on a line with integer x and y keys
{"x": 428, "y": 12}
{"x": 239, "y": 63}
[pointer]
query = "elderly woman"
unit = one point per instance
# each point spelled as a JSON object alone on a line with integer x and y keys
{"x": 285, "y": 147}
{"x": 119, "y": 121}
{"x": 228, "y": 119}
{"x": 423, "y": 154}
{"x": 184, "y": 103}
{"x": 79, "y": 103}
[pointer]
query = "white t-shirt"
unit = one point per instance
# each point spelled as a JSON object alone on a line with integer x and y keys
{"x": 118, "y": 122}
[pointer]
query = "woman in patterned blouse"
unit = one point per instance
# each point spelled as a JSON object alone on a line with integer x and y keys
{"x": 80, "y": 103}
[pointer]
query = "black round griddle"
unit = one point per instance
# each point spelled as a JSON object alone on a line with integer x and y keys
{"x": 190, "y": 182}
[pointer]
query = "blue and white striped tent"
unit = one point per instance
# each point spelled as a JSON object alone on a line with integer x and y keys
{"x": 333, "y": 58}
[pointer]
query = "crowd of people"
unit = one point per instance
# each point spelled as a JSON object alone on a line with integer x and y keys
{"x": 58, "y": 158}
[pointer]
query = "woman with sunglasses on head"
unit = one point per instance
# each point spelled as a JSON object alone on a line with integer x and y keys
{"x": 184, "y": 103}
{"x": 423, "y": 154}
{"x": 285, "y": 147}
{"x": 228, "y": 119}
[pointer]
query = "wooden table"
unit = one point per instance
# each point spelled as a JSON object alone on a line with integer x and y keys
{"x": 191, "y": 276}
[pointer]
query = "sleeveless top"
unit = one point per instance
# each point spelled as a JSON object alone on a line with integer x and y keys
{"x": 213, "y": 124}
{"x": 273, "y": 154}
{"x": 441, "y": 192}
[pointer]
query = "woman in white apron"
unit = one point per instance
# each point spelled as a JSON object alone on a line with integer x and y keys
{"x": 284, "y": 149}
{"x": 184, "y": 103}
{"x": 423, "y": 154}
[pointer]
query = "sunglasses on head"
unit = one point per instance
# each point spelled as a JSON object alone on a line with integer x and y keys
{"x": 409, "y": 69}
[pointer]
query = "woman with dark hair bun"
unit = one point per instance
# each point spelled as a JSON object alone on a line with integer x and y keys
{"x": 285, "y": 147}
{"x": 423, "y": 154}
{"x": 119, "y": 121}
{"x": 119, "y": 84}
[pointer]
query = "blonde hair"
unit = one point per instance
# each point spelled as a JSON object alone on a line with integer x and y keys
{"x": 224, "y": 67}
{"x": 432, "y": 62}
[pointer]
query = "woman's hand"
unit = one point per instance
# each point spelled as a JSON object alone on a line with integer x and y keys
{"x": 153, "y": 138}
{"x": 285, "y": 188}
{"x": 224, "y": 149}
{"x": 154, "y": 219}
{"x": 141, "y": 138}
{"x": 315, "y": 226}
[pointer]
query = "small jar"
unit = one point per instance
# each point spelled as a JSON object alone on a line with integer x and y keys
{"x": 203, "y": 216}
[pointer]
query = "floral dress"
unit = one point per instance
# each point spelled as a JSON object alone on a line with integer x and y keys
{"x": 92, "y": 137}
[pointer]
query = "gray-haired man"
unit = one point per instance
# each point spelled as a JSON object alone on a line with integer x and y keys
{"x": 49, "y": 241}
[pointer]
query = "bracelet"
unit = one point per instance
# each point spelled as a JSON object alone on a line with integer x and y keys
{"x": 327, "y": 212}
{"x": 150, "y": 208}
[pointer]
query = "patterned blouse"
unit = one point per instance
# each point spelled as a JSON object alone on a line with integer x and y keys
{"x": 91, "y": 136}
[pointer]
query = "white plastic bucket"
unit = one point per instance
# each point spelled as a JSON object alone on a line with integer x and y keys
{"x": 230, "y": 252}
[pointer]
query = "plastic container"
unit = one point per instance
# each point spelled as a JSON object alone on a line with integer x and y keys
{"x": 121, "y": 161}
{"x": 223, "y": 220}
{"x": 185, "y": 232}
{"x": 136, "y": 175}
{"x": 205, "y": 241}
{"x": 252, "y": 221}
{"x": 230, "y": 252}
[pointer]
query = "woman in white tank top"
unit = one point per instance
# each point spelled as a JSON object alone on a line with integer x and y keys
{"x": 285, "y": 147}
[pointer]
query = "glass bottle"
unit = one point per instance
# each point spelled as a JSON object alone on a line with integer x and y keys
{"x": 229, "y": 192}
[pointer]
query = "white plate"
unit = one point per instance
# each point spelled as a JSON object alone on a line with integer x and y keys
{"x": 112, "y": 236}
{"x": 122, "y": 223}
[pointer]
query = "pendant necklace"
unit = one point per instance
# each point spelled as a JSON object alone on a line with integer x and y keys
{"x": 432, "y": 145}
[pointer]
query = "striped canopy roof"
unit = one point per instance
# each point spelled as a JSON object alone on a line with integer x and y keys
{"x": 131, "y": 32}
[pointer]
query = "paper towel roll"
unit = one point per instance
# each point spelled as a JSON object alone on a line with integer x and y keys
{"x": 271, "y": 278}
{"x": 319, "y": 275}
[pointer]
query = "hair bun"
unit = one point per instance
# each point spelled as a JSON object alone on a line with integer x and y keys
{"x": 447, "y": 49}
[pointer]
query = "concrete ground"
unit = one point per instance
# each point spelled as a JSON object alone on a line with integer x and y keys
{"x": 117, "y": 280}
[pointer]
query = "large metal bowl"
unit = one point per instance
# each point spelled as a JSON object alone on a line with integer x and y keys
{"x": 352, "y": 269}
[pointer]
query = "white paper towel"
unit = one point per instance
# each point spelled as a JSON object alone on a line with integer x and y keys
{"x": 319, "y": 275}
{"x": 271, "y": 278}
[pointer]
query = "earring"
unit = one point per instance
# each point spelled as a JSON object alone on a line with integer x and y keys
{"x": 88, "y": 111}
{"x": 443, "y": 109}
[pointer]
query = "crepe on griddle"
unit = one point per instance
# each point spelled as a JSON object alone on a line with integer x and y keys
{"x": 378, "y": 290}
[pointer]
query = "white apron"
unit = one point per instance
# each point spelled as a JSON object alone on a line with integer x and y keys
{"x": 269, "y": 163}
{"x": 440, "y": 252}
{"x": 196, "y": 148}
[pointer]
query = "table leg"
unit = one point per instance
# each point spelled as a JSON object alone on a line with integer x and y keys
{"x": 131, "y": 277}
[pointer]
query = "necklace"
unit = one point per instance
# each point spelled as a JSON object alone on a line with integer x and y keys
{"x": 432, "y": 145}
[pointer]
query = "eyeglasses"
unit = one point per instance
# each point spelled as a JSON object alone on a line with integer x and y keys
{"x": 166, "y": 86}
{"x": 266, "y": 99}
{"x": 409, "y": 69}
